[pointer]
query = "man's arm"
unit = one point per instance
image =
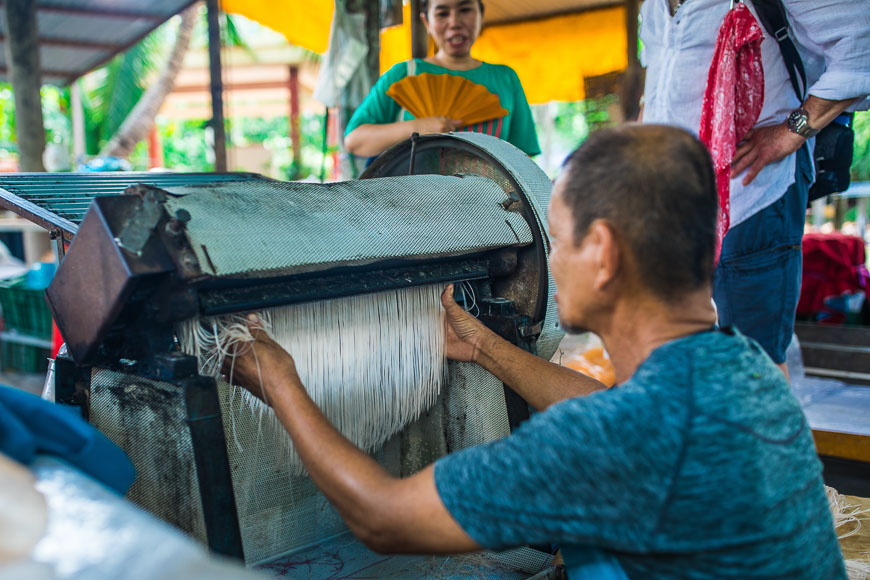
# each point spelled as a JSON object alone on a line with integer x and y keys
{"x": 386, "y": 513}
{"x": 540, "y": 382}
{"x": 765, "y": 145}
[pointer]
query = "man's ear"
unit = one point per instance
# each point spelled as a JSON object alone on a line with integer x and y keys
{"x": 607, "y": 253}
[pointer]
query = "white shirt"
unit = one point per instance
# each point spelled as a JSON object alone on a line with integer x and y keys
{"x": 833, "y": 37}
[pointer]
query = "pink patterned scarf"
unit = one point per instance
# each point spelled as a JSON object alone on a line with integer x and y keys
{"x": 732, "y": 101}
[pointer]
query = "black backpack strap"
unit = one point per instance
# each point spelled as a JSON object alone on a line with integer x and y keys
{"x": 775, "y": 21}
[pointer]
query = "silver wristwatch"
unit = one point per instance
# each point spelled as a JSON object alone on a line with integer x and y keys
{"x": 798, "y": 122}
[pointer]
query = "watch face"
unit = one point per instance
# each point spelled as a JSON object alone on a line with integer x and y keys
{"x": 797, "y": 122}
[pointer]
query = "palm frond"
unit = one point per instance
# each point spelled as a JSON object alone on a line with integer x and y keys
{"x": 113, "y": 90}
{"x": 233, "y": 37}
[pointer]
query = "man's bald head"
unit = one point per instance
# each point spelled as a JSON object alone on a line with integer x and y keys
{"x": 655, "y": 186}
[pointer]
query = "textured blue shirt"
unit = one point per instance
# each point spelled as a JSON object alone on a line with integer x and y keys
{"x": 701, "y": 465}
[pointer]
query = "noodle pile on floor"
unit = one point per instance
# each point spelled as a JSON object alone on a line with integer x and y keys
{"x": 372, "y": 363}
{"x": 847, "y": 522}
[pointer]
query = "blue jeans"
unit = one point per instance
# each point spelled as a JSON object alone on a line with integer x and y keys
{"x": 757, "y": 283}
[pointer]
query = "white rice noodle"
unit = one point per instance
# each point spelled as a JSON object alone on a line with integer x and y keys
{"x": 373, "y": 363}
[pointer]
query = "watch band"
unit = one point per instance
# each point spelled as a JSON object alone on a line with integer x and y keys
{"x": 798, "y": 122}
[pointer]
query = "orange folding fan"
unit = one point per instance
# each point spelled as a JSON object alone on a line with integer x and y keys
{"x": 431, "y": 95}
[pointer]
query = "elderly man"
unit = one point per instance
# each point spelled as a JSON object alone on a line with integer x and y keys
{"x": 699, "y": 463}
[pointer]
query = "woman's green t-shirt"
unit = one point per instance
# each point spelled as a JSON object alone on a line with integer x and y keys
{"x": 517, "y": 127}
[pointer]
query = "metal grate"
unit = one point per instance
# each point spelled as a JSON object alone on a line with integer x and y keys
{"x": 60, "y": 200}
{"x": 266, "y": 228}
{"x": 146, "y": 419}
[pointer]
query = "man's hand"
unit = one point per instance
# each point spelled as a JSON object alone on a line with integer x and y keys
{"x": 254, "y": 364}
{"x": 465, "y": 333}
{"x": 763, "y": 146}
{"x": 428, "y": 125}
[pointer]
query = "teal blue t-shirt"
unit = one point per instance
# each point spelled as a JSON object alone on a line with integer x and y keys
{"x": 517, "y": 127}
{"x": 701, "y": 465}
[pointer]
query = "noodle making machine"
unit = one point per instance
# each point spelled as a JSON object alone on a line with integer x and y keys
{"x": 461, "y": 208}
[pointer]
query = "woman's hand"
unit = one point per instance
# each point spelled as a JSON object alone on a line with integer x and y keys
{"x": 465, "y": 334}
{"x": 428, "y": 125}
{"x": 256, "y": 365}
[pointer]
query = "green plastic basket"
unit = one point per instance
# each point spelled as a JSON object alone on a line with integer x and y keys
{"x": 23, "y": 358}
{"x": 25, "y": 309}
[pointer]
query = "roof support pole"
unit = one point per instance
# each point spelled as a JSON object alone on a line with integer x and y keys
{"x": 632, "y": 88}
{"x": 217, "y": 87}
{"x": 22, "y": 54}
{"x": 419, "y": 36}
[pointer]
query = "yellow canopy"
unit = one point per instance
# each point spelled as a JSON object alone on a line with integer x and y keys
{"x": 552, "y": 56}
{"x": 304, "y": 24}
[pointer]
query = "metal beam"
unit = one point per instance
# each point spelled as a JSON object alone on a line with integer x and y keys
{"x": 100, "y": 12}
{"x": 22, "y": 54}
{"x": 217, "y": 98}
{"x": 72, "y": 43}
{"x": 46, "y": 72}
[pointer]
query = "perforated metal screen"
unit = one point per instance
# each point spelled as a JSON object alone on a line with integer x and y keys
{"x": 146, "y": 419}
{"x": 267, "y": 227}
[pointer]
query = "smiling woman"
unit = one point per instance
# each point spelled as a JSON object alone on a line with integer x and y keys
{"x": 454, "y": 25}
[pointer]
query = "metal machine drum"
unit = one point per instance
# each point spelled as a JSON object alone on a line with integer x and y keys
{"x": 520, "y": 178}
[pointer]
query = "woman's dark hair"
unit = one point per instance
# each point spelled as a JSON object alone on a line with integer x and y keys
{"x": 655, "y": 185}
{"x": 424, "y": 5}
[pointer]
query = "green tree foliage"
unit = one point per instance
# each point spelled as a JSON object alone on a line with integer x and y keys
{"x": 55, "y": 112}
{"x": 185, "y": 148}
{"x": 861, "y": 158}
{"x": 112, "y": 91}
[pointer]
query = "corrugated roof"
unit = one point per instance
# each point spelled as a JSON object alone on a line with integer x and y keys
{"x": 77, "y": 36}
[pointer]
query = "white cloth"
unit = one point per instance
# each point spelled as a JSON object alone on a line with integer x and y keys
{"x": 833, "y": 37}
{"x": 344, "y": 78}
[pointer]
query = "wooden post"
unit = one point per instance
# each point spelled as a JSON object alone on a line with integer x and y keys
{"x": 632, "y": 88}
{"x": 419, "y": 36}
{"x": 295, "y": 131}
{"x": 25, "y": 73}
{"x": 217, "y": 86}
{"x": 155, "y": 148}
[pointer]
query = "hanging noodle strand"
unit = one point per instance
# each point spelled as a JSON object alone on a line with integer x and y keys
{"x": 373, "y": 363}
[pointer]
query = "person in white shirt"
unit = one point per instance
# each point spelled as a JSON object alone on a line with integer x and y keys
{"x": 757, "y": 280}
